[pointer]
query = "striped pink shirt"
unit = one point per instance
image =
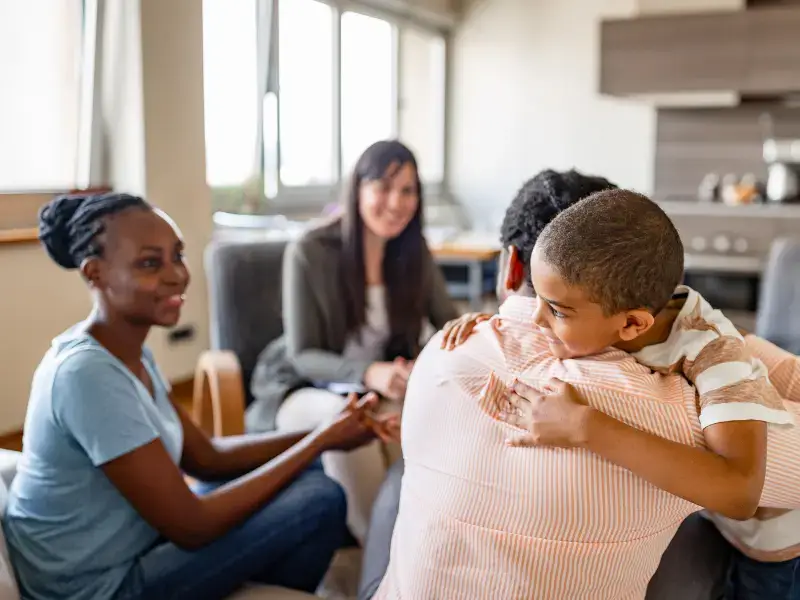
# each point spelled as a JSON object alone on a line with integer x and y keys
{"x": 479, "y": 520}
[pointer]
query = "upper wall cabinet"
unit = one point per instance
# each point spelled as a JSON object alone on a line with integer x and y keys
{"x": 773, "y": 50}
{"x": 671, "y": 54}
{"x": 753, "y": 51}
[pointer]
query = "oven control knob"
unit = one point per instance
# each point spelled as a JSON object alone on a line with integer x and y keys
{"x": 698, "y": 244}
{"x": 740, "y": 245}
{"x": 722, "y": 244}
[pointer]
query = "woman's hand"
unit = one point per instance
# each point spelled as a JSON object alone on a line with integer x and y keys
{"x": 389, "y": 379}
{"x": 557, "y": 417}
{"x": 386, "y": 427}
{"x": 351, "y": 428}
{"x": 457, "y": 331}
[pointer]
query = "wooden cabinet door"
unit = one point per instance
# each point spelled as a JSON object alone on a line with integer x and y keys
{"x": 681, "y": 53}
{"x": 773, "y": 50}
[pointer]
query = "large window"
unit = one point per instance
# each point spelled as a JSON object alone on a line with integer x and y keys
{"x": 368, "y": 101}
{"x": 332, "y": 81}
{"x": 40, "y": 68}
{"x": 231, "y": 99}
{"x": 305, "y": 73}
{"x": 422, "y": 101}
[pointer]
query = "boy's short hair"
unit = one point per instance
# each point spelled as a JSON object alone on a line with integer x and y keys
{"x": 538, "y": 202}
{"x": 620, "y": 247}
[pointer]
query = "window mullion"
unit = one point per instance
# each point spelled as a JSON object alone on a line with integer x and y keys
{"x": 445, "y": 110}
{"x": 276, "y": 60}
{"x": 89, "y": 161}
{"x": 396, "y": 86}
{"x": 263, "y": 15}
{"x": 336, "y": 137}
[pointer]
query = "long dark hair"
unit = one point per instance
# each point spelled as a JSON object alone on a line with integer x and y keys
{"x": 405, "y": 278}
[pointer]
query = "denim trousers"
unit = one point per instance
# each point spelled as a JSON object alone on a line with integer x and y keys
{"x": 289, "y": 542}
{"x": 752, "y": 580}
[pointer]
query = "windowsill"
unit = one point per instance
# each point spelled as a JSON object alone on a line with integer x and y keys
{"x": 301, "y": 203}
{"x": 25, "y": 235}
{"x": 19, "y": 213}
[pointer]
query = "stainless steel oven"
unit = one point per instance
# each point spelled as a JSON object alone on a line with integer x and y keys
{"x": 735, "y": 294}
{"x": 726, "y": 252}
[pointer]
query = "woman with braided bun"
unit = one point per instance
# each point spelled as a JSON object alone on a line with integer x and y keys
{"x": 100, "y": 508}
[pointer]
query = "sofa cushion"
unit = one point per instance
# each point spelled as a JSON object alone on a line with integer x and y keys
{"x": 8, "y": 585}
{"x": 780, "y": 292}
{"x": 8, "y": 466}
{"x": 244, "y": 277}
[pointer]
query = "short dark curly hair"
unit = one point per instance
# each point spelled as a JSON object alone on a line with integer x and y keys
{"x": 618, "y": 246}
{"x": 538, "y": 202}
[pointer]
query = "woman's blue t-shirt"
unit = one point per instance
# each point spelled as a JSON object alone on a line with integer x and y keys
{"x": 71, "y": 534}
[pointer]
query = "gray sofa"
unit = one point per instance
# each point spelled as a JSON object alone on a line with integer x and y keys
{"x": 778, "y": 315}
{"x": 243, "y": 270}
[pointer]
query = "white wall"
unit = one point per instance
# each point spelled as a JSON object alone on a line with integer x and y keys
{"x": 38, "y": 301}
{"x": 175, "y": 154}
{"x": 523, "y": 98}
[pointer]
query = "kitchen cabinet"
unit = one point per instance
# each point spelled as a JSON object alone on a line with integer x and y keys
{"x": 773, "y": 50}
{"x": 676, "y": 53}
{"x": 748, "y": 52}
{"x": 664, "y": 7}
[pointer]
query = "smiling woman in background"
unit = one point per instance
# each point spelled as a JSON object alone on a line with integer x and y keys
{"x": 99, "y": 508}
{"x": 357, "y": 292}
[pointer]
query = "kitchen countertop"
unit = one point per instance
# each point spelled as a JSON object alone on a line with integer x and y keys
{"x": 718, "y": 209}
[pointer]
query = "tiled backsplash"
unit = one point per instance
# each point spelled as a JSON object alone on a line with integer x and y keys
{"x": 693, "y": 142}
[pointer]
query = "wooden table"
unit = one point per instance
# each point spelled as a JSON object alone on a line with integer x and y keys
{"x": 476, "y": 260}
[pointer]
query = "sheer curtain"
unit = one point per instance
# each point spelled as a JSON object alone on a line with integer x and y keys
{"x": 40, "y": 47}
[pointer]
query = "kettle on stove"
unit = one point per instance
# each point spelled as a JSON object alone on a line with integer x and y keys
{"x": 783, "y": 170}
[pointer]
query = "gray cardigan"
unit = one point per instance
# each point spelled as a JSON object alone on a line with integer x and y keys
{"x": 314, "y": 325}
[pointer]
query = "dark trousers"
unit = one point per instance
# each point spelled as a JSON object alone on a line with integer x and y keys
{"x": 695, "y": 564}
{"x": 379, "y": 536}
{"x": 289, "y": 543}
{"x": 752, "y": 580}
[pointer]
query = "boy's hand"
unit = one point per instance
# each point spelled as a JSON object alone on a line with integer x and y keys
{"x": 458, "y": 330}
{"x": 556, "y": 418}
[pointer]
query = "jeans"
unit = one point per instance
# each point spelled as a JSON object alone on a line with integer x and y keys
{"x": 752, "y": 580}
{"x": 289, "y": 542}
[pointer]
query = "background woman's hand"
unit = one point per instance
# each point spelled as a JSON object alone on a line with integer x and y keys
{"x": 456, "y": 332}
{"x": 557, "y": 417}
{"x": 351, "y": 428}
{"x": 389, "y": 379}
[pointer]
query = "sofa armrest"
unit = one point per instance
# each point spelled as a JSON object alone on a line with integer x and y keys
{"x": 218, "y": 402}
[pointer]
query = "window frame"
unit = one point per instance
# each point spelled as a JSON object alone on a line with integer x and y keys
{"x": 19, "y": 215}
{"x": 313, "y": 197}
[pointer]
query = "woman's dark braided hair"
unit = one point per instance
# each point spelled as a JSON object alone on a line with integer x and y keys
{"x": 69, "y": 225}
{"x": 538, "y": 202}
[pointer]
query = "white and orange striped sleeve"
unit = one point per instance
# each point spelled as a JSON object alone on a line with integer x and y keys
{"x": 783, "y": 366}
{"x": 733, "y": 386}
